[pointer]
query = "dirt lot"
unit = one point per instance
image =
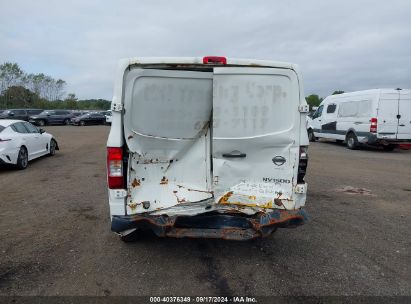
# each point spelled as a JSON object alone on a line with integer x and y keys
{"x": 55, "y": 234}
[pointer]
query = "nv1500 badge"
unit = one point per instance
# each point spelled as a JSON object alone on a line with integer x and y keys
{"x": 279, "y": 160}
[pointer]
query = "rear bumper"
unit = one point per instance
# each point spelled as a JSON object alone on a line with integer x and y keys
{"x": 234, "y": 226}
{"x": 373, "y": 139}
{"x": 9, "y": 156}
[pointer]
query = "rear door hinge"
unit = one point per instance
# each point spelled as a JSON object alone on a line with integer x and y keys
{"x": 301, "y": 188}
{"x": 303, "y": 108}
{"x": 117, "y": 107}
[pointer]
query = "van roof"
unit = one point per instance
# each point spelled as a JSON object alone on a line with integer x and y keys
{"x": 199, "y": 61}
{"x": 371, "y": 91}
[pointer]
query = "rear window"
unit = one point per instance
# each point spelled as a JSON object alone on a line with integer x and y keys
{"x": 252, "y": 105}
{"x": 170, "y": 105}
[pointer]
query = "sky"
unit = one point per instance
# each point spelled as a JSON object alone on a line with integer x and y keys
{"x": 339, "y": 45}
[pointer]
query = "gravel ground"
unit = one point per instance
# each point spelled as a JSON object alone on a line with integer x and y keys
{"x": 55, "y": 234}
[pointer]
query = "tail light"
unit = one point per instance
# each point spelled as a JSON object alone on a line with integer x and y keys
{"x": 115, "y": 168}
{"x": 302, "y": 164}
{"x": 373, "y": 126}
{"x": 215, "y": 60}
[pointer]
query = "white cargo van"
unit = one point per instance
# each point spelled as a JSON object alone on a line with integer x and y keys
{"x": 379, "y": 117}
{"x": 207, "y": 147}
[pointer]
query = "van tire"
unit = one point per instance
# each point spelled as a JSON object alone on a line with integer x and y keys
{"x": 311, "y": 136}
{"x": 352, "y": 141}
{"x": 389, "y": 147}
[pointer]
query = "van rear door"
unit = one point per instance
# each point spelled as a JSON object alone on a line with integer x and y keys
{"x": 387, "y": 120}
{"x": 255, "y": 136}
{"x": 167, "y": 129}
{"x": 404, "y": 114}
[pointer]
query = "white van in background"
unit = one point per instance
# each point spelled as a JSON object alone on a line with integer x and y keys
{"x": 380, "y": 117}
{"x": 207, "y": 147}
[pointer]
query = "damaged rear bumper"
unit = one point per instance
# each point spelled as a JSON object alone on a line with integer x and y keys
{"x": 231, "y": 226}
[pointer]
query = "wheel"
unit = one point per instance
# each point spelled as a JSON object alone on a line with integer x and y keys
{"x": 389, "y": 147}
{"x": 311, "y": 136}
{"x": 67, "y": 122}
{"x": 82, "y": 123}
{"x": 52, "y": 149}
{"x": 22, "y": 159}
{"x": 41, "y": 123}
{"x": 352, "y": 141}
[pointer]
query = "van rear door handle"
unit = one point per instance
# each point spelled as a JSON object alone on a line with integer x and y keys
{"x": 234, "y": 154}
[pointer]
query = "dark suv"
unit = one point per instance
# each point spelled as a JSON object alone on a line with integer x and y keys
{"x": 52, "y": 117}
{"x": 20, "y": 114}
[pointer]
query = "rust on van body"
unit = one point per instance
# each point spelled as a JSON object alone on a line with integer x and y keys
{"x": 164, "y": 181}
{"x": 136, "y": 182}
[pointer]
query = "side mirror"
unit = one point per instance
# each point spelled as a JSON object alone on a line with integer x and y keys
{"x": 41, "y": 131}
{"x": 11, "y": 114}
{"x": 48, "y": 114}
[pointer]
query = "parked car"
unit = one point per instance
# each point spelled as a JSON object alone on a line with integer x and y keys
{"x": 89, "y": 119}
{"x": 52, "y": 117}
{"x": 108, "y": 118}
{"x": 20, "y": 114}
{"x": 380, "y": 117}
{"x": 20, "y": 142}
{"x": 207, "y": 147}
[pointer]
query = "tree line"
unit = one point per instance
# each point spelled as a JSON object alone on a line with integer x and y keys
{"x": 19, "y": 89}
{"x": 314, "y": 100}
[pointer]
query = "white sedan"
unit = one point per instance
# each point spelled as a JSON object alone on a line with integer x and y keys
{"x": 21, "y": 142}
